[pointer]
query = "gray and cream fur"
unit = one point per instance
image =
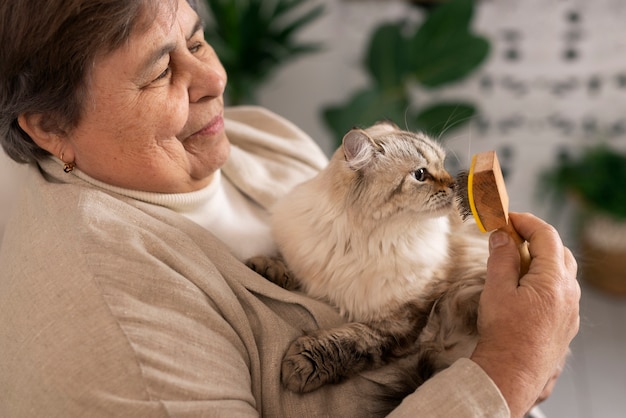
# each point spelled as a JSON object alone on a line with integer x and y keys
{"x": 378, "y": 235}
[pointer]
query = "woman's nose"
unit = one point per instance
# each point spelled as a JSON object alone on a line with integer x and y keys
{"x": 208, "y": 80}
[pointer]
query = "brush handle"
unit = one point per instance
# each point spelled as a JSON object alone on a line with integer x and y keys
{"x": 522, "y": 247}
{"x": 489, "y": 201}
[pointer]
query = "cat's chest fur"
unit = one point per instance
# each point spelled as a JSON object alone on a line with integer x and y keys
{"x": 364, "y": 272}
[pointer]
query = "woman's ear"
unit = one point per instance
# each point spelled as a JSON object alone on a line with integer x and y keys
{"x": 46, "y": 134}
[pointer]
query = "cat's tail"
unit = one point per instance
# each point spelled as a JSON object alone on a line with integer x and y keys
{"x": 408, "y": 375}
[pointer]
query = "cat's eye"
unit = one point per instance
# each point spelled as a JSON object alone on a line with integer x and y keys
{"x": 421, "y": 174}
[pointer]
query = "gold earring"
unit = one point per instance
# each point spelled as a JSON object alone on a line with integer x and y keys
{"x": 67, "y": 167}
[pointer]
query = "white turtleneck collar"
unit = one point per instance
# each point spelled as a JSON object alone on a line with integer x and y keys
{"x": 219, "y": 207}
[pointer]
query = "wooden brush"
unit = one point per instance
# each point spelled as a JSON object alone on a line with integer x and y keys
{"x": 481, "y": 193}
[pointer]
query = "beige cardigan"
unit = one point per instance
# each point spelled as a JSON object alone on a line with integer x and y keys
{"x": 113, "y": 307}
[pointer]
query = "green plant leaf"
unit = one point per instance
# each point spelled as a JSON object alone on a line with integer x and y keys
{"x": 596, "y": 178}
{"x": 254, "y": 37}
{"x": 364, "y": 109}
{"x": 386, "y": 58}
{"x": 448, "y": 21}
{"x": 443, "y": 49}
{"x": 284, "y": 7}
{"x": 439, "y": 118}
{"x": 457, "y": 61}
{"x": 307, "y": 18}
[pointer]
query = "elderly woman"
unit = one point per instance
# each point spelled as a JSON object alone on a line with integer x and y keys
{"x": 122, "y": 291}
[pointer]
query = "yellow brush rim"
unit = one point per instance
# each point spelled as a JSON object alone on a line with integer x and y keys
{"x": 470, "y": 195}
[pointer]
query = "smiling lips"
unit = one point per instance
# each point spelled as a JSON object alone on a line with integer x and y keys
{"x": 215, "y": 126}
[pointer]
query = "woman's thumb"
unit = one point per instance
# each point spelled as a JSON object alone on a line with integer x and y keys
{"x": 503, "y": 264}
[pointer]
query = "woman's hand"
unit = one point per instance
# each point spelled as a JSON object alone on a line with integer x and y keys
{"x": 549, "y": 387}
{"x": 525, "y": 324}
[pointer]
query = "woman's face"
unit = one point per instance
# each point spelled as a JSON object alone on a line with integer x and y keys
{"x": 154, "y": 118}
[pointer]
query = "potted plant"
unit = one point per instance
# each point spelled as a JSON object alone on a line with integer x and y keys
{"x": 596, "y": 181}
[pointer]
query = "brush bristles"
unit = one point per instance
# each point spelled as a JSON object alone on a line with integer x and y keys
{"x": 462, "y": 196}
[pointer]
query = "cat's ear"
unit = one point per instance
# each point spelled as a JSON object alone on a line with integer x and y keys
{"x": 358, "y": 147}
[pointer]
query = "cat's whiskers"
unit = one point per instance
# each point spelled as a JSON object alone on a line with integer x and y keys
{"x": 406, "y": 122}
{"x": 449, "y": 125}
{"x": 452, "y": 152}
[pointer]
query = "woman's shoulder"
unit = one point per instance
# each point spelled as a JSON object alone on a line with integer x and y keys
{"x": 263, "y": 119}
{"x": 270, "y": 155}
{"x": 255, "y": 128}
{"x": 60, "y": 218}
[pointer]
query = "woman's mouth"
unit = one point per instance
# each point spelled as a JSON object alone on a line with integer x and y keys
{"x": 215, "y": 126}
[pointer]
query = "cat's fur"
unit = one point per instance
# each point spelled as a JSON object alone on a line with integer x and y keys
{"x": 378, "y": 235}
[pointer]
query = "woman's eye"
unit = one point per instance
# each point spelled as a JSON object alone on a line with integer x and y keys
{"x": 164, "y": 74}
{"x": 195, "y": 47}
{"x": 421, "y": 174}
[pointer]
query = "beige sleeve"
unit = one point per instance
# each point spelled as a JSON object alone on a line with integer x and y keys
{"x": 462, "y": 391}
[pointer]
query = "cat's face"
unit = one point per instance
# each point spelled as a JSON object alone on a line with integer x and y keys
{"x": 397, "y": 173}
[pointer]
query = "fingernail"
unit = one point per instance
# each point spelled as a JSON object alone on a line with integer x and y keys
{"x": 498, "y": 239}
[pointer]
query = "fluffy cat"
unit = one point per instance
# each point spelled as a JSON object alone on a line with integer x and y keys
{"x": 377, "y": 234}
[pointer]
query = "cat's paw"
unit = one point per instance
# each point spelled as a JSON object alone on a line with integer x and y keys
{"x": 301, "y": 371}
{"x": 274, "y": 270}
